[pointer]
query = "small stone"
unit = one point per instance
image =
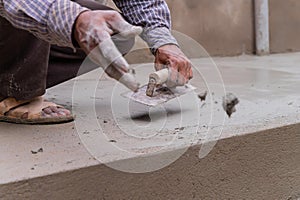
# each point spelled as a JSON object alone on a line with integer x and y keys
{"x": 229, "y": 103}
{"x": 132, "y": 71}
{"x": 40, "y": 150}
{"x": 202, "y": 96}
{"x": 179, "y": 129}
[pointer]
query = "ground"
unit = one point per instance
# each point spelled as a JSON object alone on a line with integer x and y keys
{"x": 264, "y": 154}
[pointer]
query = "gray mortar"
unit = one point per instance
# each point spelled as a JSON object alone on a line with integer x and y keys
{"x": 229, "y": 103}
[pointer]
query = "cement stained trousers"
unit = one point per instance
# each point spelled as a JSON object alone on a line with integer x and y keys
{"x": 29, "y": 65}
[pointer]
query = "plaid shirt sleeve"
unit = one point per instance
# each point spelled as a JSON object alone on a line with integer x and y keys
{"x": 50, "y": 20}
{"x": 153, "y": 16}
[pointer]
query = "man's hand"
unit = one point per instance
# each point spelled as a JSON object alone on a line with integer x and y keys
{"x": 180, "y": 68}
{"x": 93, "y": 30}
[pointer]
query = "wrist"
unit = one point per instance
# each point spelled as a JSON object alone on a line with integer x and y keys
{"x": 158, "y": 37}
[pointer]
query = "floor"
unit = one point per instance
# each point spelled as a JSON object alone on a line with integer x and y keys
{"x": 109, "y": 128}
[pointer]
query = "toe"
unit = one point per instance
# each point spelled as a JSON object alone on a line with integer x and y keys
{"x": 59, "y": 112}
{"x": 54, "y": 114}
{"x": 62, "y": 113}
{"x": 47, "y": 111}
{"x": 54, "y": 109}
{"x": 65, "y": 111}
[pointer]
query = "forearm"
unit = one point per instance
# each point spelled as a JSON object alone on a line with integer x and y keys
{"x": 153, "y": 16}
{"x": 50, "y": 20}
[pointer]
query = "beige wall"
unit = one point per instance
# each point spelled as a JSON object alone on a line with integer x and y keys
{"x": 226, "y": 27}
{"x": 284, "y": 25}
{"x": 223, "y": 27}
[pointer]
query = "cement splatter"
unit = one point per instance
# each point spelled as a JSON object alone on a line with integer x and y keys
{"x": 229, "y": 103}
{"x": 202, "y": 96}
{"x": 179, "y": 129}
{"x": 40, "y": 150}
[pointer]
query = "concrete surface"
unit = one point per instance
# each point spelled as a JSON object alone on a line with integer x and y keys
{"x": 256, "y": 156}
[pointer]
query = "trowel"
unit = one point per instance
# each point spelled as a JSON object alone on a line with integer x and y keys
{"x": 156, "y": 92}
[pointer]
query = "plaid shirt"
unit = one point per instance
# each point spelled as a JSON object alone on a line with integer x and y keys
{"x": 52, "y": 20}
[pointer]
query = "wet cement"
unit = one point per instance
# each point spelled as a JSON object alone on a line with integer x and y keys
{"x": 268, "y": 89}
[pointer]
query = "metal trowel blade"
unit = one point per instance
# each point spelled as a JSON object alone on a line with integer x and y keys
{"x": 161, "y": 95}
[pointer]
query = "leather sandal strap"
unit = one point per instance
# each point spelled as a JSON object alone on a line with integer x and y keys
{"x": 10, "y": 103}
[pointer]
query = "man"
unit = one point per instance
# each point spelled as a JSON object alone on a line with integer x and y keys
{"x": 27, "y": 28}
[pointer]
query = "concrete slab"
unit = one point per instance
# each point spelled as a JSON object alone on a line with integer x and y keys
{"x": 128, "y": 137}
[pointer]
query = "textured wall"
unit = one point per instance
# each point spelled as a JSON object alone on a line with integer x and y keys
{"x": 284, "y": 25}
{"x": 222, "y": 27}
{"x": 226, "y": 27}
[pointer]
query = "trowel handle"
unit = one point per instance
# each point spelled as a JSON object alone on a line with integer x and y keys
{"x": 160, "y": 76}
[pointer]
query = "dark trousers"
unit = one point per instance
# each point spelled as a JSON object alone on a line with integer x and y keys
{"x": 29, "y": 65}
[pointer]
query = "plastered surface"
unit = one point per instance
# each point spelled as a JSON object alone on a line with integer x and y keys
{"x": 250, "y": 160}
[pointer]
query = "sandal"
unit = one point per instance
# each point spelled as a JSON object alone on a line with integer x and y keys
{"x": 34, "y": 111}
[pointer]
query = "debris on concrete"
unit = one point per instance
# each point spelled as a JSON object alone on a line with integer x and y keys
{"x": 40, "y": 150}
{"x": 229, "y": 103}
{"x": 132, "y": 71}
{"x": 113, "y": 141}
{"x": 105, "y": 121}
{"x": 202, "y": 96}
{"x": 179, "y": 129}
{"x": 86, "y": 132}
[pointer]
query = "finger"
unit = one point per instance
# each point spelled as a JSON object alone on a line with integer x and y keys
{"x": 191, "y": 75}
{"x": 121, "y": 26}
{"x": 129, "y": 81}
{"x": 183, "y": 68}
{"x": 121, "y": 63}
{"x": 181, "y": 80}
{"x": 187, "y": 71}
{"x": 112, "y": 72}
{"x": 173, "y": 75}
{"x": 190, "y": 71}
{"x": 183, "y": 72}
{"x": 128, "y": 30}
{"x": 111, "y": 55}
{"x": 159, "y": 66}
{"x": 126, "y": 79}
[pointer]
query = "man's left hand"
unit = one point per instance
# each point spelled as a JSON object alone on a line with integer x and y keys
{"x": 180, "y": 67}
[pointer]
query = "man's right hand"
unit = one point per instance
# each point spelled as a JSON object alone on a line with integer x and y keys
{"x": 93, "y": 30}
